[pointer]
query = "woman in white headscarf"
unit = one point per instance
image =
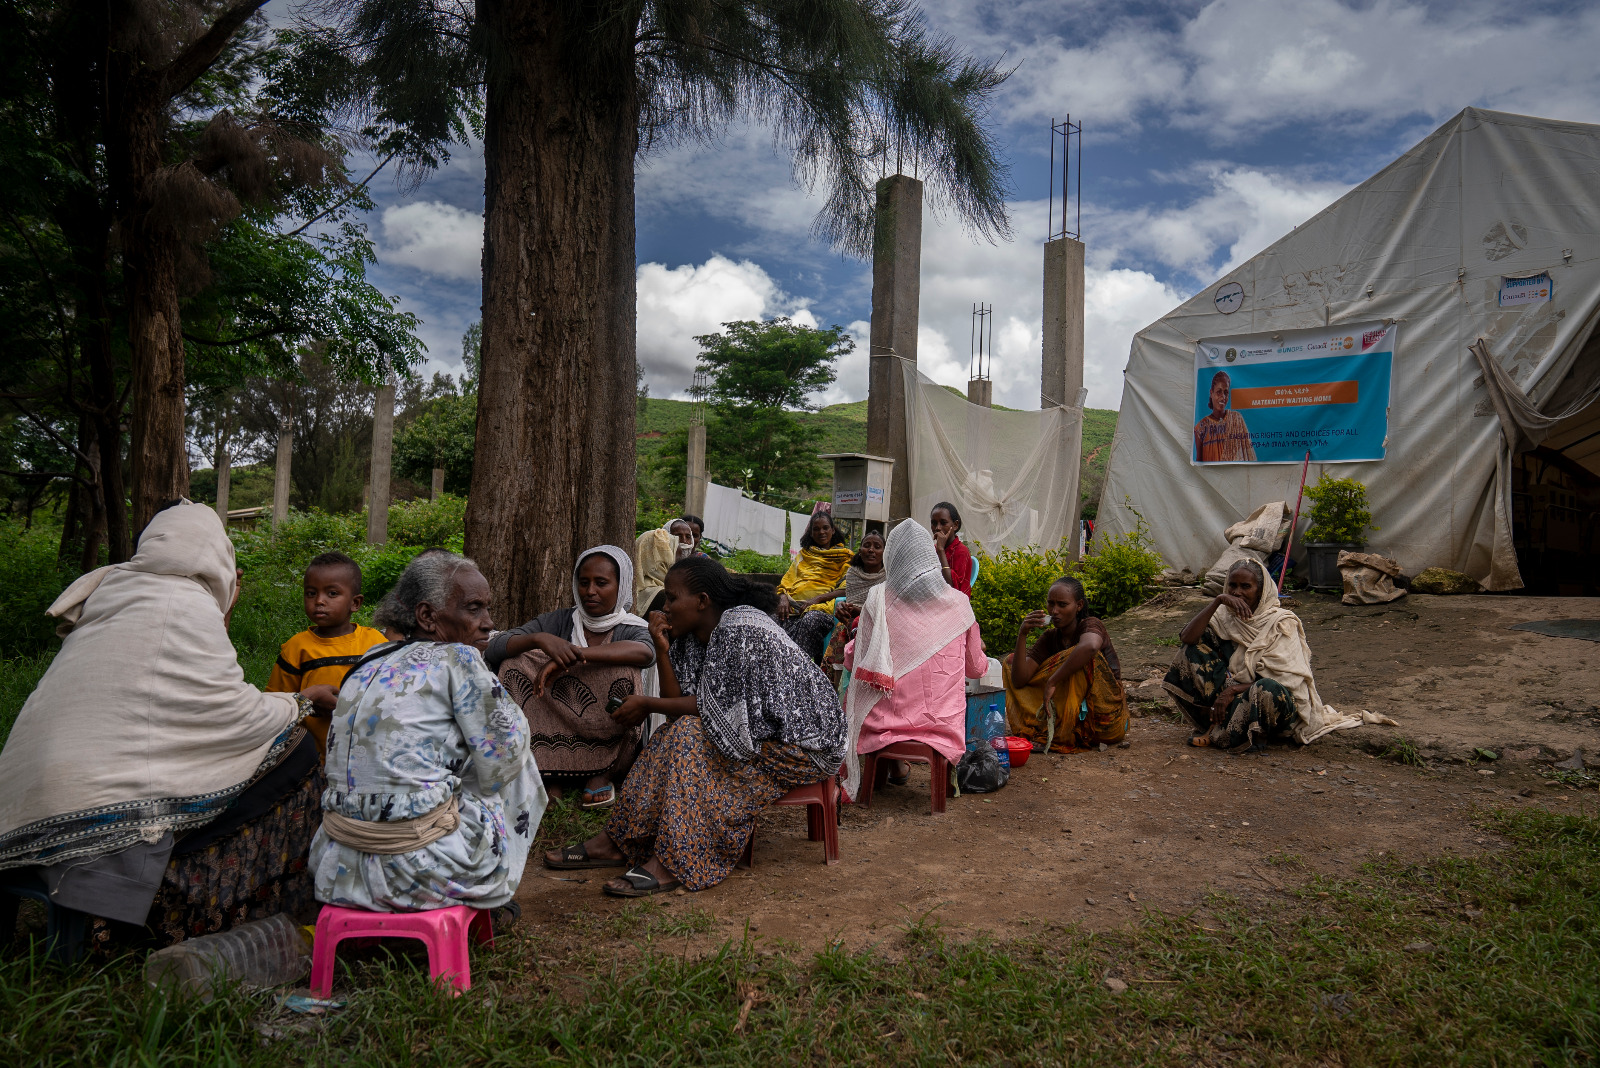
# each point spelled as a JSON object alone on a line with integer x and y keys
{"x": 569, "y": 667}
{"x": 1244, "y": 672}
{"x": 145, "y": 781}
{"x": 916, "y": 644}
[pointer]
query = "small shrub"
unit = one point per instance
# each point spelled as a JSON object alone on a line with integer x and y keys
{"x": 428, "y": 523}
{"x": 381, "y": 568}
{"x": 1338, "y": 510}
{"x": 1117, "y": 571}
{"x": 748, "y": 562}
{"x": 1403, "y": 750}
{"x": 1009, "y": 586}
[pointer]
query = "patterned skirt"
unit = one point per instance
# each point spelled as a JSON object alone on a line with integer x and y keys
{"x": 1200, "y": 672}
{"x": 694, "y": 808}
{"x": 809, "y": 630}
{"x": 257, "y": 869}
{"x": 573, "y": 738}
{"x": 1089, "y": 708}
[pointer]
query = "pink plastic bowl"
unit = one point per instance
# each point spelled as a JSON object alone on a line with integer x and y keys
{"x": 1019, "y": 748}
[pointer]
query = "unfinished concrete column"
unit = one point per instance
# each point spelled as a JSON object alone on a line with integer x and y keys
{"x": 694, "y": 490}
{"x": 980, "y": 391}
{"x": 437, "y": 490}
{"x": 1061, "y": 369}
{"x": 280, "y": 475}
{"x": 222, "y": 464}
{"x": 382, "y": 450}
{"x": 896, "y": 290}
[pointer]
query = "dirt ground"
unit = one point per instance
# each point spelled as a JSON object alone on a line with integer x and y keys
{"x": 1095, "y": 838}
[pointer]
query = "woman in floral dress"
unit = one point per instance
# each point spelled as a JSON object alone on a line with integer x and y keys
{"x": 750, "y": 718}
{"x": 433, "y": 798}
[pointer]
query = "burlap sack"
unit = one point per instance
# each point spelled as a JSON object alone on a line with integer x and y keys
{"x": 1369, "y": 578}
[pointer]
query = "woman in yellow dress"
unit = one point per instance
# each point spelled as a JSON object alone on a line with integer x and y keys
{"x": 807, "y": 590}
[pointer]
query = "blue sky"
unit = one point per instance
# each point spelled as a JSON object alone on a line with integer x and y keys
{"x": 1211, "y": 130}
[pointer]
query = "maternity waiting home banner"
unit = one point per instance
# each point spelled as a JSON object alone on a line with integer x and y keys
{"x": 1260, "y": 398}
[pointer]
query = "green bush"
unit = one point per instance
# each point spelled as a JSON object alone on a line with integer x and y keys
{"x": 29, "y": 581}
{"x": 1010, "y": 586}
{"x": 428, "y": 523}
{"x": 748, "y": 562}
{"x": 1017, "y": 581}
{"x": 381, "y": 568}
{"x": 1338, "y": 510}
{"x": 1117, "y": 571}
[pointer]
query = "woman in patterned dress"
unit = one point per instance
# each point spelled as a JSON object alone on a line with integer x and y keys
{"x": 433, "y": 797}
{"x": 750, "y": 718}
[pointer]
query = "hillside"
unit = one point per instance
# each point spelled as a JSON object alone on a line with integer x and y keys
{"x": 844, "y": 429}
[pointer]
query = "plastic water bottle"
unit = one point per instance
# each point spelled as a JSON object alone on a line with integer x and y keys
{"x": 260, "y": 953}
{"x": 994, "y": 728}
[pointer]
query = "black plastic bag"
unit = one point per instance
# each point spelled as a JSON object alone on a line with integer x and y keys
{"x": 980, "y": 772}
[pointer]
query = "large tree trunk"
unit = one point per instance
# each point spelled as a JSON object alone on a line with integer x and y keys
{"x": 553, "y": 471}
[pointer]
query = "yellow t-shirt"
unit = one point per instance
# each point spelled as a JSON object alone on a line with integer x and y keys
{"x": 307, "y": 660}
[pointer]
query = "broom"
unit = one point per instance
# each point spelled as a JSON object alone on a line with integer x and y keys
{"x": 1289, "y": 544}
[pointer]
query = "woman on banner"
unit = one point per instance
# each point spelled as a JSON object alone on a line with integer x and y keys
{"x": 1221, "y": 436}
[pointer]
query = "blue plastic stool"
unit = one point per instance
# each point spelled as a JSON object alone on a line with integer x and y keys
{"x": 65, "y": 929}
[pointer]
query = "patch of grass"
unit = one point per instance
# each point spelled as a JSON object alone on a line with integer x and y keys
{"x": 1488, "y": 959}
{"x": 1403, "y": 750}
{"x": 650, "y": 918}
{"x": 567, "y": 821}
{"x": 1168, "y": 641}
{"x": 18, "y": 677}
{"x": 1580, "y": 780}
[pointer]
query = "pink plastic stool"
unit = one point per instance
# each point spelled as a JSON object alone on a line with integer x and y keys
{"x": 822, "y": 818}
{"x": 445, "y": 931}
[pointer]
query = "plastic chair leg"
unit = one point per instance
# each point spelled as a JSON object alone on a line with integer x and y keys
{"x": 448, "y": 959}
{"x": 828, "y": 815}
{"x": 939, "y": 776}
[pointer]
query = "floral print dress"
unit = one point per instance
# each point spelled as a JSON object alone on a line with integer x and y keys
{"x": 413, "y": 728}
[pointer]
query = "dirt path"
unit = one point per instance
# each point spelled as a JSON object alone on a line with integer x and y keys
{"x": 1094, "y": 838}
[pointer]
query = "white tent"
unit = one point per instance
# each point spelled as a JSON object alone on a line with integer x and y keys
{"x": 1430, "y": 242}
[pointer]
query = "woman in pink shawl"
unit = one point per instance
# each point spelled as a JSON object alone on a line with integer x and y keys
{"x": 916, "y": 644}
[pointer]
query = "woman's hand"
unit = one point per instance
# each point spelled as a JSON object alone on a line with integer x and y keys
{"x": 1235, "y": 604}
{"x": 559, "y": 650}
{"x": 323, "y": 696}
{"x": 658, "y": 633}
{"x": 632, "y": 711}
{"x": 1035, "y": 620}
{"x": 1219, "y": 708}
{"x": 542, "y": 680}
{"x": 785, "y": 606}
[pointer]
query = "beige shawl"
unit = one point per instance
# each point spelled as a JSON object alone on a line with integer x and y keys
{"x": 1271, "y": 644}
{"x": 144, "y": 722}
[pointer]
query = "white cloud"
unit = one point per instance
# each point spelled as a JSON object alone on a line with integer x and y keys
{"x": 1242, "y": 67}
{"x": 435, "y": 238}
{"x": 678, "y": 303}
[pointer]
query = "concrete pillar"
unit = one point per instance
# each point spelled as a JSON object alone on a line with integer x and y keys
{"x": 694, "y": 490}
{"x": 980, "y": 391}
{"x": 280, "y": 477}
{"x": 223, "y": 465}
{"x": 438, "y": 484}
{"x": 1061, "y": 368}
{"x": 896, "y": 290}
{"x": 382, "y": 450}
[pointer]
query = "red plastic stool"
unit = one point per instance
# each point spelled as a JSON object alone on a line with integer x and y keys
{"x": 822, "y": 817}
{"x": 875, "y": 770}
{"x": 445, "y": 932}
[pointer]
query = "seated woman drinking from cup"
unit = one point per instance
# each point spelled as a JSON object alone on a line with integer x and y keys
{"x": 433, "y": 798}
{"x": 565, "y": 667}
{"x": 1064, "y": 692}
{"x": 1244, "y": 672}
{"x": 750, "y": 718}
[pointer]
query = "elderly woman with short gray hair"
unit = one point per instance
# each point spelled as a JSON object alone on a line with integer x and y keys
{"x": 433, "y": 797}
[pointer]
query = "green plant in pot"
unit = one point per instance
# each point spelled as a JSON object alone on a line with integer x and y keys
{"x": 1340, "y": 520}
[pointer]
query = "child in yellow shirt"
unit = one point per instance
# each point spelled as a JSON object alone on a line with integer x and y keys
{"x": 326, "y": 651}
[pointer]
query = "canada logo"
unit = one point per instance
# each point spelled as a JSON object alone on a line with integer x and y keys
{"x": 1371, "y": 336}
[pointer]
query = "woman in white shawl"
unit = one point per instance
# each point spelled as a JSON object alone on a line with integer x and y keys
{"x": 1244, "y": 673}
{"x": 145, "y": 780}
{"x": 916, "y": 644}
{"x": 567, "y": 667}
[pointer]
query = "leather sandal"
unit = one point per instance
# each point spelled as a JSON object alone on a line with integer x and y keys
{"x": 574, "y": 857}
{"x": 640, "y": 884}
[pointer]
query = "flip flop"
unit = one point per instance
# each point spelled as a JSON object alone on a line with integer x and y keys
{"x": 640, "y": 884}
{"x": 574, "y": 857}
{"x": 1201, "y": 741}
{"x": 609, "y": 793}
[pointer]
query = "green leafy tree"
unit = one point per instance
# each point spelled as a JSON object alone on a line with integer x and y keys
{"x": 441, "y": 435}
{"x": 758, "y": 375}
{"x": 573, "y": 92}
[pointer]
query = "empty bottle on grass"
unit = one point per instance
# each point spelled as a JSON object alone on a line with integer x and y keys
{"x": 260, "y": 953}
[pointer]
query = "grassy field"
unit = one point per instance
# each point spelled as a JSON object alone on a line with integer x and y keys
{"x": 1488, "y": 960}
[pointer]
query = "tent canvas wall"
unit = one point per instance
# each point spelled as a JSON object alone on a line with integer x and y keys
{"x": 1426, "y": 242}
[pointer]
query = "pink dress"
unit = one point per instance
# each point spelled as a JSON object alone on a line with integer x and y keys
{"x": 929, "y": 703}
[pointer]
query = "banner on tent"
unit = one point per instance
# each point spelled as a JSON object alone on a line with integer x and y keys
{"x": 1262, "y": 398}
